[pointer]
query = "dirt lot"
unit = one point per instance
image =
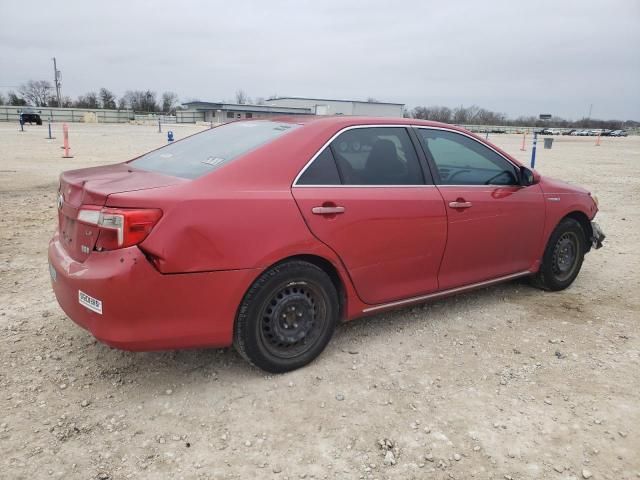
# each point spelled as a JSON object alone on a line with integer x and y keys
{"x": 506, "y": 382}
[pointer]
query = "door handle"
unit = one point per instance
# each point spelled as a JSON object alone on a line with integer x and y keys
{"x": 457, "y": 204}
{"x": 327, "y": 210}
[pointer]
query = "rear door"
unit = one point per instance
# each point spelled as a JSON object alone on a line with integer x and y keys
{"x": 365, "y": 195}
{"x": 494, "y": 223}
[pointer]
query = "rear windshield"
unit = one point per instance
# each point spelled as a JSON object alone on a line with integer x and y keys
{"x": 205, "y": 152}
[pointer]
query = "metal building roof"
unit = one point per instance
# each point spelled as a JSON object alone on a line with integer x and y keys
{"x": 245, "y": 107}
{"x": 333, "y": 100}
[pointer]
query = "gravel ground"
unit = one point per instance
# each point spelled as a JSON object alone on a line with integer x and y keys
{"x": 506, "y": 382}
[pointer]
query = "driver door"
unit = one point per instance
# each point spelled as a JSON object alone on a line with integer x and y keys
{"x": 494, "y": 224}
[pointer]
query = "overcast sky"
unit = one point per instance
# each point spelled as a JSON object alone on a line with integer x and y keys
{"x": 520, "y": 58}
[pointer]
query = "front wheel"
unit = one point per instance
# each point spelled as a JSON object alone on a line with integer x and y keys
{"x": 287, "y": 317}
{"x": 562, "y": 257}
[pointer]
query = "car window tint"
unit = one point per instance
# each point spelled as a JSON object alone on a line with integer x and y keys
{"x": 377, "y": 156}
{"x": 206, "y": 151}
{"x": 461, "y": 160}
{"x": 322, "y": 171}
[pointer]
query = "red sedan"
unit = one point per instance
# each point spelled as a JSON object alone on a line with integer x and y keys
{"x": 265, "y": 234}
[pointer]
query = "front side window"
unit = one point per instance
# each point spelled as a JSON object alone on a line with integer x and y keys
{"x": 461, "y": 160}
{"x": 206, "y": 151}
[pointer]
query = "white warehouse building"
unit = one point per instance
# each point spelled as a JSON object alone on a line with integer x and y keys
{"x": 324, "y": 106}
{"x": 220, "y": 112}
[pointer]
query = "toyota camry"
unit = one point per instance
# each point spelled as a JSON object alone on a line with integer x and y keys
{"x": 265, "y": 234}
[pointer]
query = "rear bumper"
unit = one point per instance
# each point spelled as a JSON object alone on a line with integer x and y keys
{"x": 597, "y": 236}
{"x": 143, "y": 309}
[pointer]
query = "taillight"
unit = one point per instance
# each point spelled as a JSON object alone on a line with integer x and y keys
{"x": 119, "y": 227}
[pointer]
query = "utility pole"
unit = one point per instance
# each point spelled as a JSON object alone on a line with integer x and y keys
{"x": 590, "y": 109}
{"x": 56, "y": 81}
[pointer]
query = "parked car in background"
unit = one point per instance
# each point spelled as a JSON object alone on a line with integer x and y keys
{"x": 569, "y": 132}
{"x": 618, "y": 133}
{"x": 555, "y": 131}
{"x": 584, "y": 133}
{"x": 544, "y": 131}
{"x": 30, "y": 116}
{"x": 264, "y": 234}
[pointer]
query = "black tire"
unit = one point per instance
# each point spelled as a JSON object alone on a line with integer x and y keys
{"x": 562, "y": 257}
{"x": 287, "y": 317}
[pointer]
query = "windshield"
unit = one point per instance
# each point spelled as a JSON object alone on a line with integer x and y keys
{"x": 205, "y": 152}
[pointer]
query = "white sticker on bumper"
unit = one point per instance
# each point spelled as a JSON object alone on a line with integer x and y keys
{"x": 91, "y": 303}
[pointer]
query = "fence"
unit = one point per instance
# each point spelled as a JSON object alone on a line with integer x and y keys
{"x": 500, "y": 129}
{"x": 12, "y": 114}
{"x": 189, "y": 117}
{"x": 154, "y": 118}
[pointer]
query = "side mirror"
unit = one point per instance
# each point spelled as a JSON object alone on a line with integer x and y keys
{"x": 528, "y": 177}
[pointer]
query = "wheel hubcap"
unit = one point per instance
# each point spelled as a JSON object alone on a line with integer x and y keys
{"x": 292, "y": 320}
{"x": 565, "y": 256}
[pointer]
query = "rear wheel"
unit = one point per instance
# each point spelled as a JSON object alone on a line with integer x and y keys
{"x": 287, "y": 317}
{"x": 563, "y": 257}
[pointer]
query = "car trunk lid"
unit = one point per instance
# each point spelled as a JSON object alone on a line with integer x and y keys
{"x": 92, "y": 187}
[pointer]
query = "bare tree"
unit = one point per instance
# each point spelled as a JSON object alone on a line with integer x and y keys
{"x": 65, "y": 102}
{"x": 475, "y": 115}
{"x": 260, "y": 101}
{"x": 241, "y": 97}
{"x": 107, "y": 99}
{"x": 15, "y": 100}
{"x": 2, "y": 100}
{"x": 36, "y": 92}
{"x": 90, "y": 100}
{"x": 437, "y": 114}
{"x": 169, "y": 102}
{"x": 140, "y": 101}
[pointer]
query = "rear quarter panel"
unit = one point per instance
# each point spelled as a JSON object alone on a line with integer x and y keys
{"x": 231, "y": 230}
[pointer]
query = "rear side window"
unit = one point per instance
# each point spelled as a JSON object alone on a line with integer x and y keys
{"x": 366, "y": 156}
{"x": 322, "y": 171}
{"x": 205, "y": 152}
{"x": 377, "y": 156}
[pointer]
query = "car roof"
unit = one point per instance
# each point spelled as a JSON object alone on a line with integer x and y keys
{"x": 342, "y": 121}
{"x": 335, "y": 123}
{"x": 339, "y": 122}
{"x": 297, "y": 147}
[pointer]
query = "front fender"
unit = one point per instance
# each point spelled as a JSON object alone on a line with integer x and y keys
{"x": 561, "y": 205}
